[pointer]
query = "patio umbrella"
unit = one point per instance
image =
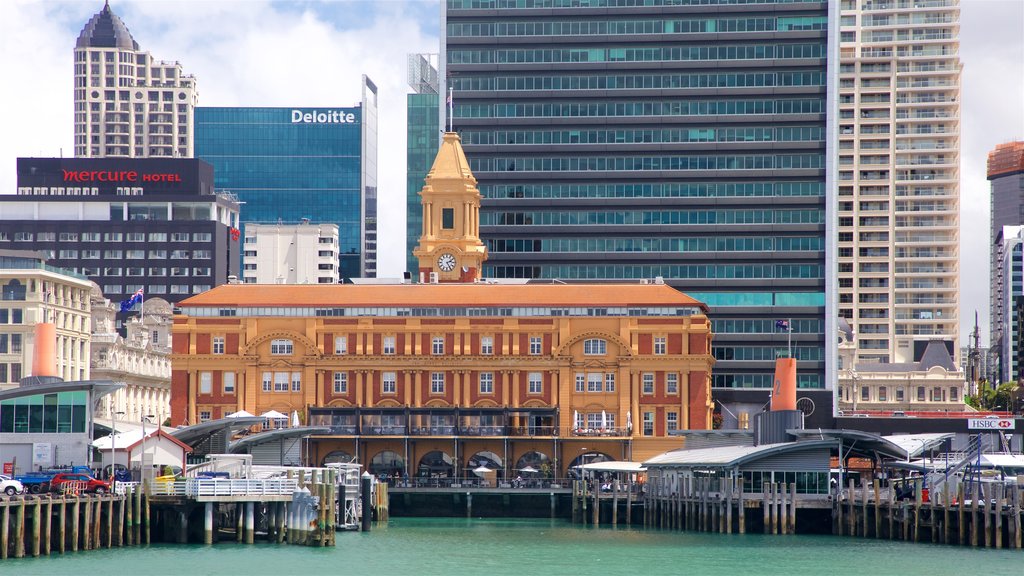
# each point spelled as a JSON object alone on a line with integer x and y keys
{"x": 481, "y": 470}
{"x": 529, "y": 470}
{"x": 295, "y": 418}
{"x": 576, "y": 419}
{"x": 274, "y": 415}
{"x": 604, "y": 419}
{"x": 240, "y": 414}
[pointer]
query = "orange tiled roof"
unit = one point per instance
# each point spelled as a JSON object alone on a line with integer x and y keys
{"x": 351, "y": 295}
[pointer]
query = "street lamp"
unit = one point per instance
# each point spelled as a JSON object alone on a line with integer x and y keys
{"x": 113, "y": 441}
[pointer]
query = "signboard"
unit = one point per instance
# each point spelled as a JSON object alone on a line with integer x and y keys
{"x": 113, "y": 176}
{"x": 992, "y": 424}
{"x": 9, "y": 468}
{"x": 41, "y": 454}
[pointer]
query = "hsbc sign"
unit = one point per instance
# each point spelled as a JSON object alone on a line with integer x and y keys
{"x": 992, "y": 424}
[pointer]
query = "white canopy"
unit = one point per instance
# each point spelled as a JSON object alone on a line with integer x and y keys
{"x": 274, "y": 415}
{"x": 240, "y": 414}
{"x": 482, "y": 470}
{"x": 529, "y": 470}
{"x": 614, "y": 466}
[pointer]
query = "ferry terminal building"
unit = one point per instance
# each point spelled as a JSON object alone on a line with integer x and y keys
{"x": 440, "y": 377}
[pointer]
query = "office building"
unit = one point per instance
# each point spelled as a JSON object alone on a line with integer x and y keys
{"x": 1006, "y": 173}
{"x": 128, "y": 104}
{"x": 289, "y": 165}
{"x": 290, "y": 254}
{"x": 1010, "y": 361}
{"x": 34, "y": 291}
{"x": 439, "y": 378}
{"x": 126, "y": 224}
{"x": 899, "y": 172}
{"x": 616, "y": 140}
{"x": 422, "y": 138}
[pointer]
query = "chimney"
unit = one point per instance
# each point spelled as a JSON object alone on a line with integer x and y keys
{"x": 44, "y": 356}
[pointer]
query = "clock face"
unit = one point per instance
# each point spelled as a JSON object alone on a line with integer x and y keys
{"x": 446, "y": 262}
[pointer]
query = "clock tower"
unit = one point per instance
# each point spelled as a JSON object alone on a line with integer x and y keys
{"x": 450, "y": 244}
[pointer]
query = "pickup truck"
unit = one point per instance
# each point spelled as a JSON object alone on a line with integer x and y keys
{"x": 36, "y": 482}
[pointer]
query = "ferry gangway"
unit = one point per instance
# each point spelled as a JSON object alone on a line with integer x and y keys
{"x": 227, "y": 488}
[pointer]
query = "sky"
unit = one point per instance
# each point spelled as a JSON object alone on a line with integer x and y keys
{"x": 259, "y": 53}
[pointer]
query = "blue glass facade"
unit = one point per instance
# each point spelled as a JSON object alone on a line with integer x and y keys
{"x": 421, "y": 148}
{"x": 688, "y": 139}
{"x": 287, "y": 164}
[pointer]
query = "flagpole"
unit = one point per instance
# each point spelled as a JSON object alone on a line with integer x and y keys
{"x": 789, "y": 338}
{"x": 451, "y": 108}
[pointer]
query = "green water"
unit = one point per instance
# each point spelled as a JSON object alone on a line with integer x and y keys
{"x": 445, "y": 546}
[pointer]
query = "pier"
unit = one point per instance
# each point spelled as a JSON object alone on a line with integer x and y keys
{"x": 44, "y": 524}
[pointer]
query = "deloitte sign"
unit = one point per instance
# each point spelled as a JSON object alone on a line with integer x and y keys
{"x": 323, "y": 117}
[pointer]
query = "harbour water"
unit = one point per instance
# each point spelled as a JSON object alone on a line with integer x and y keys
{"x": 451, "y": 547}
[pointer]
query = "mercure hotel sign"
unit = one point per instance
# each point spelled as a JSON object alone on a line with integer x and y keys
{"x": 323, "y": 117}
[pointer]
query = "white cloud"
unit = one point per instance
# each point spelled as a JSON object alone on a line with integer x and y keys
{"x": 252, "y": 53}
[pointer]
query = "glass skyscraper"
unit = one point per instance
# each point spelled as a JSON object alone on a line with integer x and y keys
{"x": 291, "y": 164}
{"x": 423, "y": 135}
{"x": 686, "y": 139}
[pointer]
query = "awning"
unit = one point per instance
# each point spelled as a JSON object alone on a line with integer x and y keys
{"x": 613, "y": 466}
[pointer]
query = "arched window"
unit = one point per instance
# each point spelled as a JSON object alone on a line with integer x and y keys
{"x": 534, "y": 464}
{"x": 436, "y": 464}
{"x": 595, "y": 347}
{"x": 387, "y": 462}
{"x": 484, "y": 459}
{"x": 337, "y": 457}
{"x": 281, "y": 347}
{"x": 14, "y": 290}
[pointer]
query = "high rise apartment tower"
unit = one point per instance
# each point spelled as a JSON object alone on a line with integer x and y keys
{"x": 127, "y": 104}
{"x": 899, "y": 171}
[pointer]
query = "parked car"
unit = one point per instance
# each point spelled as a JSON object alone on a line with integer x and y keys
{"x": 10, "y": 486}
{"x": 39, "y": 481}
{"x": 91, "y": 484}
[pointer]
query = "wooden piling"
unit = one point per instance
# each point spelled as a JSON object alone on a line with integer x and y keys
{"x": 876, "y": 486}
{"x": 728, "y": 505}
{"x": 110, "y": 521}
{"x": 917, "y": 510}
{"x": 97, "y": 520}
{"x": 998, "y": 513}
{"x": 985, "y": 495}
{"x": 945, "y": 512}
{"x": 864, "y": 509}
{"x": 48, "y": 527}
{"x": 5, "y": 534}
{"x": 37, "y": 525}
{"x": 76, "y": 507}
{"x": 792, "y": 515}
{"x": 145, "y": 514}
{"x": 764, "y": 505}
{"x": 19, "y": 529}
{"x": 87, "y": 522}
{"x": 851, "y": 502}
{"x": 741, "y": 507}
{"x": 63, "y": 523}
{"x": 1016, "y": 518}
{"x": 892, "y": 511}
{"x": 960, "y": 508}
{"x": 974, "y": 514}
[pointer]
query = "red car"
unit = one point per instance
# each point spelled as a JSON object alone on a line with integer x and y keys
{"x": 90, "y": 484}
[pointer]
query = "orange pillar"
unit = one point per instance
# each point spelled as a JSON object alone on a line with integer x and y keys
{"x": 44, "y": 357}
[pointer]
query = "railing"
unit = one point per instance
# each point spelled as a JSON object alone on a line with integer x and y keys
{"x": 516, "y": 431}
{"x": 476, "y": 482}
{"x": 205, "y": 487}
{"x": 124, "y": 487}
